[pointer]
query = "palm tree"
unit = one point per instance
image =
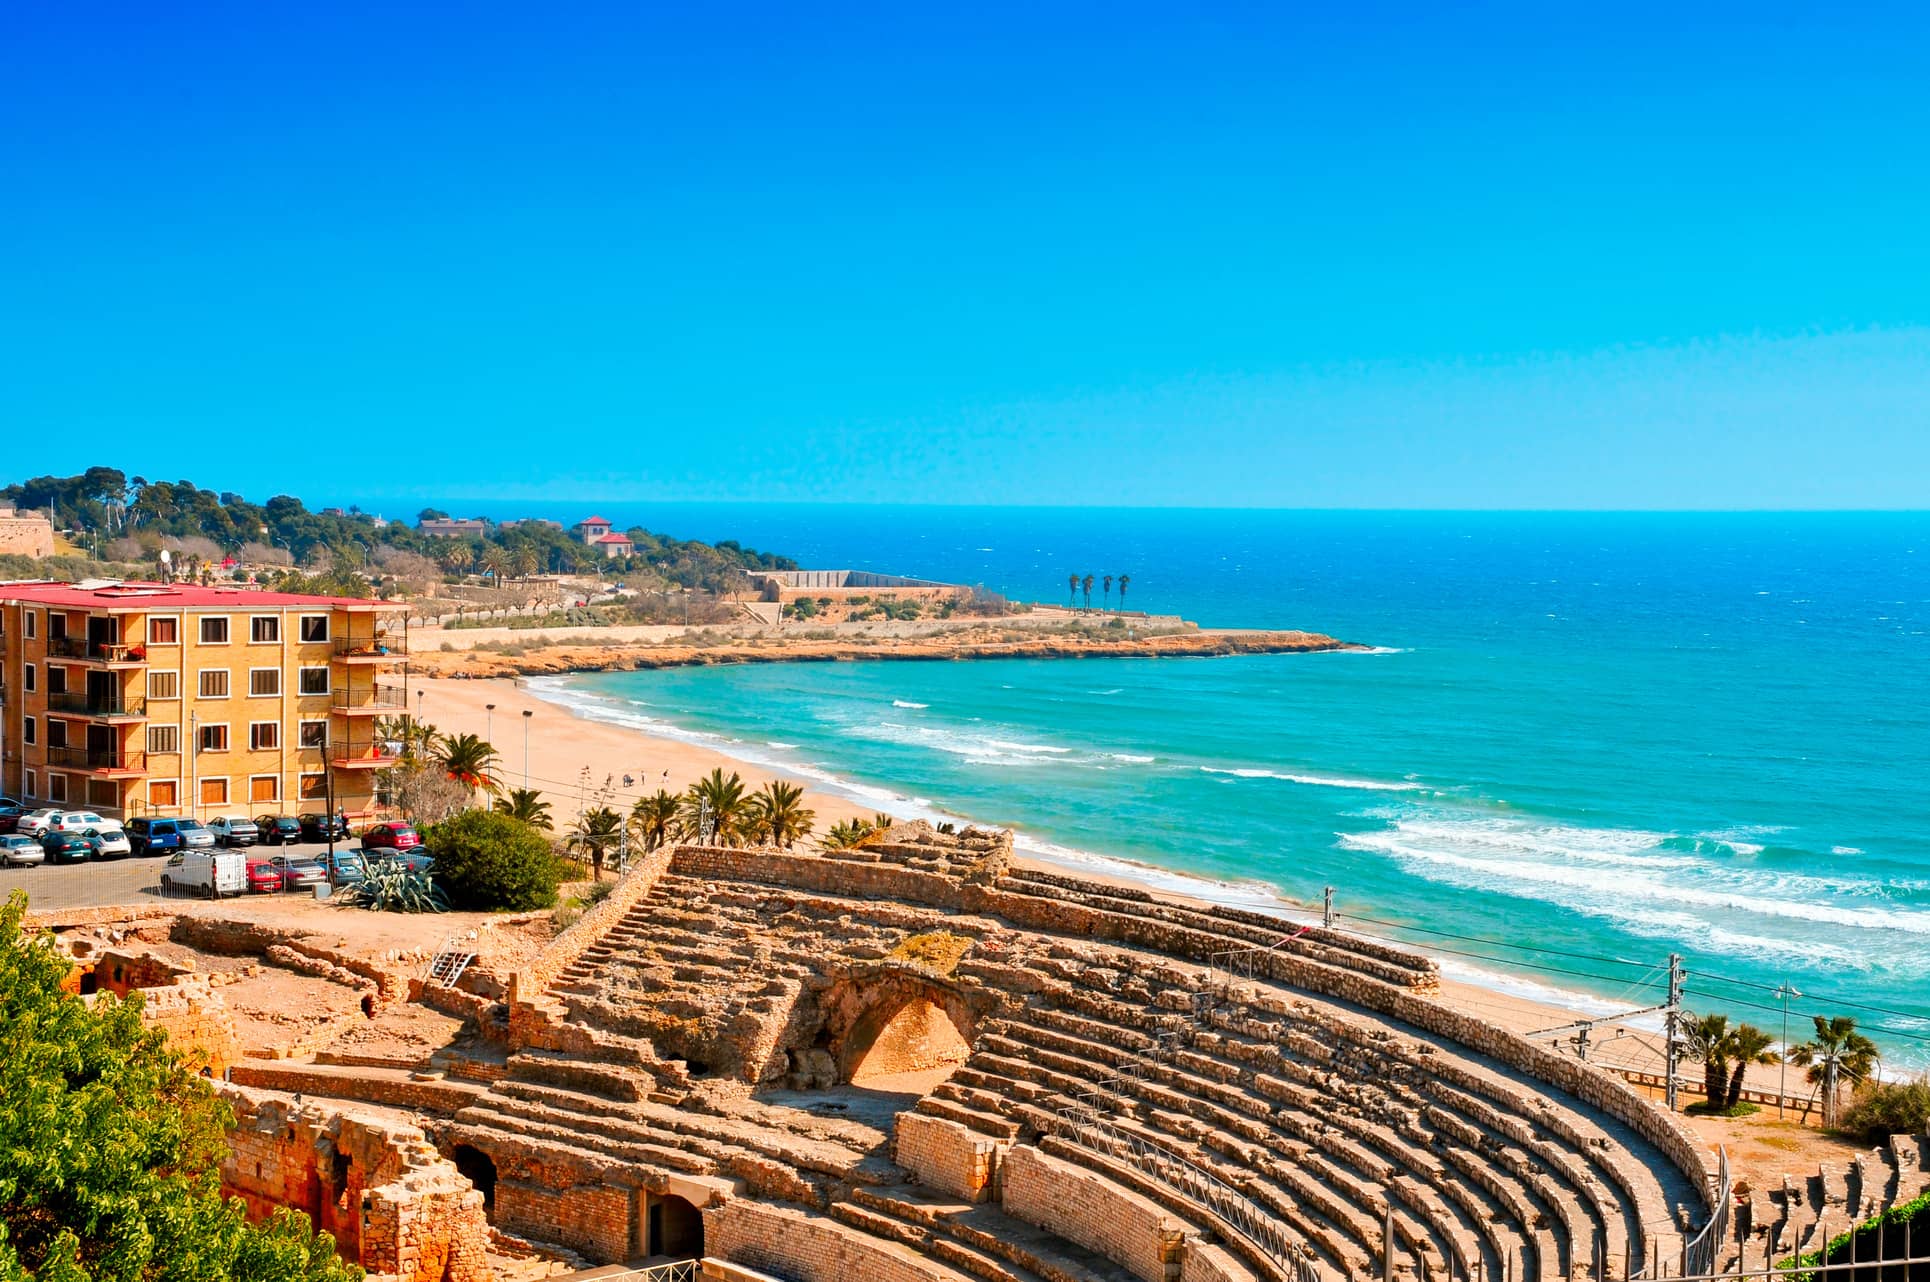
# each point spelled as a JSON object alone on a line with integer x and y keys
{"x": 527, "y": 560}
{"x": 597, "y": 833}
{"x": 1086, "y": 583}
{"x": 495, "y": 562}
{"x": 453, "y": 555}
{"x": 846, "y": 834}
{"x": 1747, "y": 1045}
{"x": 525, "y": 804}
{"x": 468, "y": 760}
{"x": 1710, "y": 1040}
{"x": 715, "y": 806}
{"x": 778, "y": 814}
{"x": 1838, "y": 1054}
{"x": 654, "y": 818}
{"x": 1124, "y": 579}
{"x": 1072, "y": 590}
{"x": 1106, "y": 596}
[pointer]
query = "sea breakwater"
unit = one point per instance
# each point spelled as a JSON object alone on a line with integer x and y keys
{"x": 587, "y": 653}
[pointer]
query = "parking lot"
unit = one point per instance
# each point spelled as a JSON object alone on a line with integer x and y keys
{"x": 123, "y": 881}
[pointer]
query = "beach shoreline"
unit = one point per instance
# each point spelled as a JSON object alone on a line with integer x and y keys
{"x": 576, "y": 758}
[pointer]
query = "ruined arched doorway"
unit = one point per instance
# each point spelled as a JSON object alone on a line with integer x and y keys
{"x": 674, "y": 1228}
{"x": 913, "y": 1031}
{"x": 478, "y": 1168}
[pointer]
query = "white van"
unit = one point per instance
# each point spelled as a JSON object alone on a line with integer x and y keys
{"x": 208, "y": 873}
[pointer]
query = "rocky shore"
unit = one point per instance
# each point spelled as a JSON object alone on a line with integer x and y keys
{"x": 585, "y": 653}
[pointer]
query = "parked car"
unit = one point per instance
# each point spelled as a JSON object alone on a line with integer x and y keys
{"x": 69, "y": 847}
{"x": 299, "y": 871}
{"x": 60, "y": 818}
{"x": 35, "y": 822}
{"x": 209, "y": 873}
{"x": 237, "y": 831}
{"x": 417, "y": 860}
{"x": 349, "y": 866}
{"x": 151, "y": 836}
{"x": 276, "y": 830}
{"x": 323, "y": 827}
{"x": 17, "y": 851}
{"x": 263, "y": 876}
{"x": 391, "y": 836}
{"x": 10, "y": 816}
{"x": 112, "y": 842}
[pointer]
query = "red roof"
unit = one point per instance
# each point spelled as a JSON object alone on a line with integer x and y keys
{"x": 595, "y": 520}
{"x": 165, "y": 596}
{"x": 614, "y": 538}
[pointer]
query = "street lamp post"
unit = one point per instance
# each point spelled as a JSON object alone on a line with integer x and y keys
{"x": 527, "y": 714}
{"x": 489, "y": 723}
{"x": 1785, "y": 992}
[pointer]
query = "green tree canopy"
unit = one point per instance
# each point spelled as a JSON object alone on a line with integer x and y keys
{"x": 486, "y": 859}
{"x": 110, "y": 1147}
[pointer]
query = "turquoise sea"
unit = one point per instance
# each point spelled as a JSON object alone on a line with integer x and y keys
{"x": 1583, "y": 741}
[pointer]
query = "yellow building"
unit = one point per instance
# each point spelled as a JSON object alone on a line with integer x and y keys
{"x": 151, "y": 698}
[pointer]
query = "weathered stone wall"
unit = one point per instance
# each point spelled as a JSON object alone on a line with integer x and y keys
{"x": 196, "y": 1020}
{"x": 392, "y": 1204}
{"x": 432, "y": 1096}
{"x": 947, "y": 1156}
{"x": 529, "y": 984}
{"x": 26, "y": 533}
{"x": 809, "y": 1248}
{"x": 593, "y": 1220}
{"x": 1085, "y": 1207}
{"x": 292, "y": 951}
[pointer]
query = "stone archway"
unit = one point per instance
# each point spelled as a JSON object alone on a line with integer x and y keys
{"x": 480, "y": 1170}
{"x": 897, "y": 1025}
{"x": 673, "y": 1227}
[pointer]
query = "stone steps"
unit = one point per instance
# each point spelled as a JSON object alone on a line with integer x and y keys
{"x": 993, "y": 1246}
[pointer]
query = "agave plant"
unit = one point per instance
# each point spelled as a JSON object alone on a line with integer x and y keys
{"x": 389, "y": 887}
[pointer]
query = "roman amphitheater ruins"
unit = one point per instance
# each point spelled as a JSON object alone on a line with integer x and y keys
{"x": 914, "y": 1062}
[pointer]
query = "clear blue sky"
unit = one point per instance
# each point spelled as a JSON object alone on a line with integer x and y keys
{"x": 1396, "y": 257}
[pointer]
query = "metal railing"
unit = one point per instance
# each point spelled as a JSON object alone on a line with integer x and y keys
{"x": 381, "y": 699}
{"x": 675, "y": 1271}
{"x": 1702, "y": 1253}
{"x": 95, "y": 705}
{"x": 83, "y": 648}
{"x": 97, "y": 758}
{"x": 382, "y": 647}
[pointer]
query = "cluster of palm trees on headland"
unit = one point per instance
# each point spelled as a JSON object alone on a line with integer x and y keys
{"x": 1076, "y": 584}
{"x": 1836, "y": 1057}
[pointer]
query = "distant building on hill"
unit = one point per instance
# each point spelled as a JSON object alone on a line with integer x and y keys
{"x": 614, "y": 545}
{"x": 789, "y": 585}
{"x": 26, "y": 533}
{"x": 445, "y": 528}
{"x": 591, "y": 530}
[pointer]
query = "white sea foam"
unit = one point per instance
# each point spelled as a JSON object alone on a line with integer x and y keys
{"x": 1316, "y": 781}
{"x": 1844, "y": 850}
{"x": 1132, "y": 758}
{"x": 906, "y": 703}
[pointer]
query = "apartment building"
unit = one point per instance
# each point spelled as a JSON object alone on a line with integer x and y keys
{"x": 153, "y": 698}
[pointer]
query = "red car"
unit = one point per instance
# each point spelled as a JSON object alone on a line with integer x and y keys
{"x": 391, "y": 837}
{"x": 263, "y": 876}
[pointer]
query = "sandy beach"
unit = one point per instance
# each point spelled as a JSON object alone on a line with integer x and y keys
{"x": 571, "y": 758}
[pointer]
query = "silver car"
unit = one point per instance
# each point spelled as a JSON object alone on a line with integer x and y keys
{"x": 17, "y": 851}
{"x": 299, "y": 871}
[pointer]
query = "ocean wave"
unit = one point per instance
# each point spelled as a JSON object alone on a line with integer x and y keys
{"x": 1132, "y": 758}
{"x": 1316, "y": 781}
{"x": 1845, "y": 850}
{"x": 906, "y": 703}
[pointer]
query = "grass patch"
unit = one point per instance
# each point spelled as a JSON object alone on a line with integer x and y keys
{"x": 1743, "y": 1108}
{"x": 937, "y": 951}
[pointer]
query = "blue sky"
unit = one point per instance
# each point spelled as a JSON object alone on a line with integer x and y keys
{"x": 1392, "y": 257}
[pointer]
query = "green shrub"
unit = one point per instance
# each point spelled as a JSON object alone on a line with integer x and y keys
{"x": 1883, "y": 1109}
{"x": 488, "y": 860}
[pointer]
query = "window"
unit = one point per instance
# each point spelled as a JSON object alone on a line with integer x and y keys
{"x": 214, "y": 792}
{"x": 164, "y": 738}
{"x": 264, "y": 788}
{"x": 214, "y": 738}
{"x": 163, "y": 685}
{"x": 312, "y": 680}
{"x": 27, "y": 732}
{"x": 314, "y": 628}
{"x": 33, "y": 784}
{"x": 214, "y": 629}
{"x": 264, "y": 683}
{"x": 28, "y": 677}
{"x": 56, "y": 733}
{"x": 314, "y": 787}
{"x": 214, "y": 683}
{"x": 161, "y": 793}
{"x": 103, "y": 792}
{"x": 56, "y": 787}
{"x": 264, "y": 736}
{"x": 56, "y": 626}
{"x": 32, "y": 624}
{"x": 312, "y": 734}
{"x": 265, "y": 629}
{"x": 164, "y": 631}
{"x": 56, "y": 679}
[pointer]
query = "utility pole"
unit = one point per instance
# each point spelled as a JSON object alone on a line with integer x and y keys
{"x": 1674, "y": 1023}
{"x": 1327, "y": 913}
{"x": 527, "y": 714}
{"x": 1785, "y": 992}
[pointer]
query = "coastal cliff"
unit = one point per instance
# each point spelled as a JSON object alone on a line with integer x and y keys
{"x": 587, "y": 654}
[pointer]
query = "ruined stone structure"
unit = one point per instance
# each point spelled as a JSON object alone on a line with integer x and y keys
{"x": 26, "y": 533}
{"x": 911, "y": 1062}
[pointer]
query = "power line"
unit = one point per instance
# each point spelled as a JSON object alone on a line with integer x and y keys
{"x": 1777, "y": 1010}
{"x": 1819, "y": 997}
{"x": 1500, "y": 943}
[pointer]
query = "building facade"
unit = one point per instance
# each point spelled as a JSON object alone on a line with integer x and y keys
{"x": 171, "y": 699}
{"x": 26, "y": 533}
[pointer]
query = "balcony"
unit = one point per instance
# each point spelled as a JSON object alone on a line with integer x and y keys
{"x": 381, "y": 702}
{"x": 363, "y": 753}
{"x": 112, "y": 654}
{"x": 104, "y": 761}
{"x": 100, "y": 707}
{"x": 376, "y": 650}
